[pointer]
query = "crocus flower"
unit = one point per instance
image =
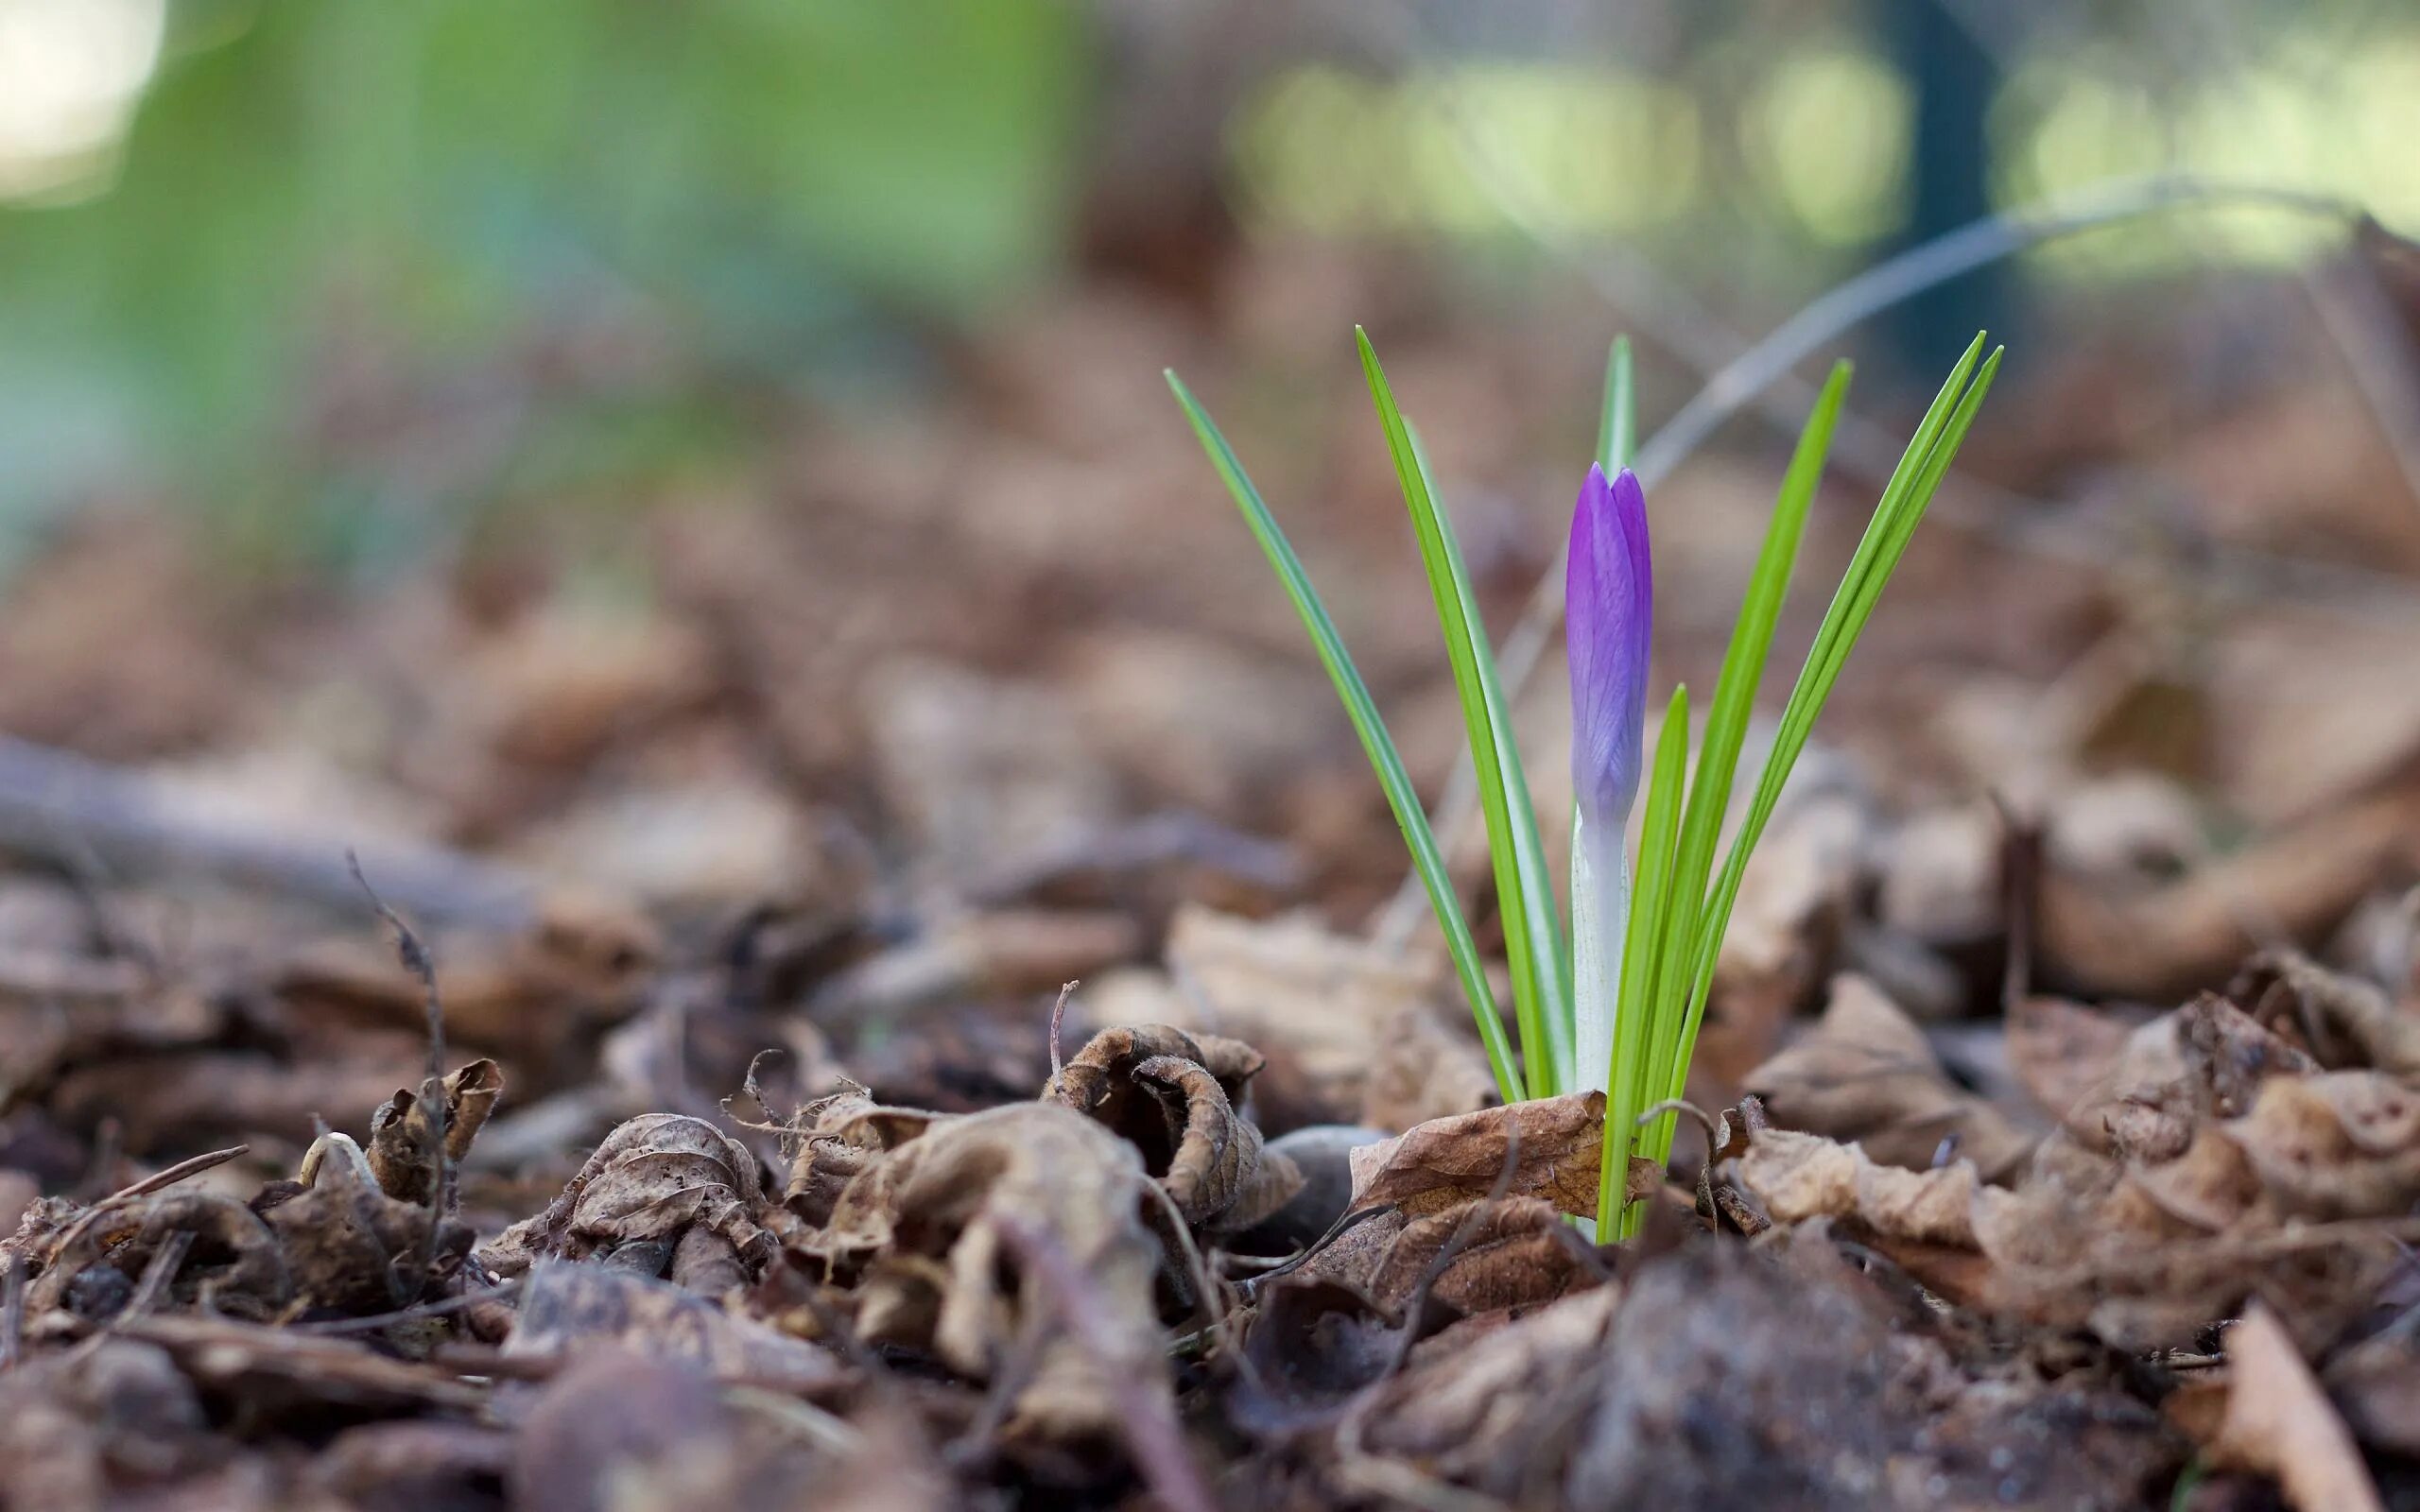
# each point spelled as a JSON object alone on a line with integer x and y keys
{"x": 1609, "y": 595}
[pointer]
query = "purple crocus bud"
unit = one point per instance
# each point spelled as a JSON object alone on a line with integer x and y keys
{"x": 1609, "y": 597}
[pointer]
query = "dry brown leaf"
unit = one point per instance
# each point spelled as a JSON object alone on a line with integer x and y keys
{"x": 1173, "y": 1097}
{"x": 399, "y": 1131}
{"x": 1420, "y": 1069}
{"x": 919, "y": 1232}
{"x": 650, "y": 1181}
{"x": 1353, "y": 1032}
{"x": 2344, "y": 1144}
{"x": 1517, "y": 1253}
{"x": 833, "y": 1138}
{"x": 2278, "y": 1422}
{"x": 1554, "y": 1144}
{"x": 2162, "y": 942}
{"x": 567, "y": 1308}
{"x": 350, "y": 1247}
{"x": 1865, "y": 1073}
{"x": 532, "y": 997}
{"x": 2061, "y": 1050}
{"x": 2344, "y": 1021}
{"x": 1798, "y": 1177}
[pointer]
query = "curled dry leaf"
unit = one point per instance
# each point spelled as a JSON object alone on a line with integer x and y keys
{"x": 1799, "y": 1176}
{"x": 350, "y": 1246}
{"x": 835, "y": 1138}
{"x": 399, "y": 1131}
{"x": 1865, "y": 1073}
{"x": 918, "y": 1231}
{"x": 1173, "y": 1097}
{"x": 2342, "y": 1020}
{"x": 2278, "y": 1422}
{"x": 648, "y": 1183}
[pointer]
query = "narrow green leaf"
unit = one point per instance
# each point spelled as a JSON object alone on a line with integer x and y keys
{"x": 1726, "y": 724}
{"x": 1617, "y": 427}
{"x": 1363, "y": 712}
{"x": 1627, "y": 1085}
{"x": 1524, "y": 888}
{"x": 1905, "y": 498}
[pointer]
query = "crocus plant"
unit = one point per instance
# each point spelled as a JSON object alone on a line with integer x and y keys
{"x": 1615, "y": 1005}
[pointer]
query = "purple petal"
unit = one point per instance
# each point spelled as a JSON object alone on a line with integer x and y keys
{"x": 1609, "y": 597}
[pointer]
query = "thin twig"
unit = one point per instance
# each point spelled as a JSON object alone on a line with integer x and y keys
{"x": 1450, "y": 1251}
{"x": 166, "y": 1176}
{"x": 12, "y": 1310}
{"x": 1150, "y": 1429}
{"x": 415, "y": 959}
{"x": 441, "y": 1308}
{"x": 1058, "y": 1020}
{"x": 73, "y": 811}
{"x": 156, "y": 1181}
{"x": 162, "y": 1269}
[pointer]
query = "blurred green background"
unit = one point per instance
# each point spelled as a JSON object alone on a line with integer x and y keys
{"x": 347, "y": 276}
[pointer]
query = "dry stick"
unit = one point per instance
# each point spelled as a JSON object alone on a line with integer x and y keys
{"x": 500, "y": 1292}
{"x": 1151, "y": 1432}
{"x": 76, "y": 812}
{"x": 1746, "y": 378}
{"x": 1447, "y": 1253}
{"x": 165, "y": 1261}
{"x": 12, "y": 1311}
{"x": 192, "y": 1165}
{"x": 415, "y": 959}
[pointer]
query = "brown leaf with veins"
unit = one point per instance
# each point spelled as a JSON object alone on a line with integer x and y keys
{"x": 1516, "y": 1253}
{"x": 1448, "y": 1162}
{"x": 648, "y": 1183}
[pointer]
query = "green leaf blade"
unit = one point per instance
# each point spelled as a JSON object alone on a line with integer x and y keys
{"x": 1525, "y": 891}
{"x": 1401, "y": 798}
{"x": 1726, "y": 723}
{"x": 1636, "y": 1054}
{"x": 1905, "y": 498}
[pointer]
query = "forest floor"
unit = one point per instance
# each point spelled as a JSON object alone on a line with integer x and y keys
{"x": 2059, "y": 1142}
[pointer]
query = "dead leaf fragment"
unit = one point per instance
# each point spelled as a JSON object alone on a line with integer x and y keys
{"x": 919, "y": 1230}
{"x": 1866, "y": 1073}
{"x": 2279, "y": 1423}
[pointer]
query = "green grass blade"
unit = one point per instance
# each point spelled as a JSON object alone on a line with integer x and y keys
{"x": 1384, "y": 759}
{"x": 1617, "y": 427}
{"x": 1726, "y": 722}
{"x": 1905, "y": 498}
{"x": 1635, "y": 1055}
{"x": 1525, "y": 891}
